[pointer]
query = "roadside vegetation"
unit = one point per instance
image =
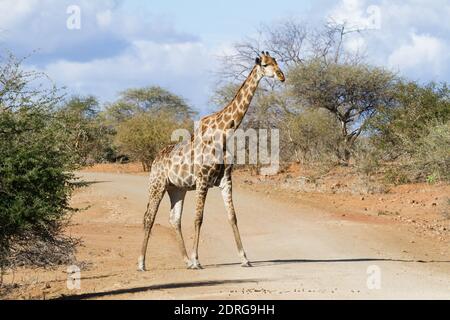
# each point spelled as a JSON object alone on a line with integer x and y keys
{"x": 37, "y": 158}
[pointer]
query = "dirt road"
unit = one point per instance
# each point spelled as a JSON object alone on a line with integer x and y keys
{"x": 297, "y": 252}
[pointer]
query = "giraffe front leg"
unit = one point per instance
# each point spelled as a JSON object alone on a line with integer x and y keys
{"x": 227, "y": 194}
{"x": 200, "y": 205}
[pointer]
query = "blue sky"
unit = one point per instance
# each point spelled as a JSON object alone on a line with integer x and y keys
{"x": 175, "y": 44}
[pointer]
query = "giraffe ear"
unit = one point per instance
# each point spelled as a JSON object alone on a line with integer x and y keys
{"x": 258, "y": 61}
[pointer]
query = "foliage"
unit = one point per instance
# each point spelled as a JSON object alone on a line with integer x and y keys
{"x": 311, "y": 137}
{"x": 414, "y": 135}
{"x": 150, "y": 99}
{"x": 89, "y": 138}
{"x": 144, "y": 134}
{"x": 35, "y": 166}
{"x": 353, "y": 93}
{"x": 141, "y": 121}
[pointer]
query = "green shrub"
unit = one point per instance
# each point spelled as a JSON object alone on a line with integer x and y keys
{"x": 429, "y": 160}
{"x": 35, "y": 178}
{"x": 143, "y": 135}
{"x": 311, "y": 136}
{"x": 366, "y": 158}
{"x": 414, "y": 136}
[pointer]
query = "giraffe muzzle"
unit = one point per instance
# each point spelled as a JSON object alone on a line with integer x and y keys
{"x": 280, "y": 76}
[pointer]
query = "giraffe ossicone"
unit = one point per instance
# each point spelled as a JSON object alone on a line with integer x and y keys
{"x": 180, "y": 168}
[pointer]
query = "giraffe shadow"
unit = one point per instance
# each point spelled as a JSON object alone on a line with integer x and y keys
{"x": 265, "y": 263}
{"x": 177, "y": 285}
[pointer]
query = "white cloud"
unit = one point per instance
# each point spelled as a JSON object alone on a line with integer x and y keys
{"x": 181, "y": 67}
{"x": 28, "y": 25}
{"x": 104, "y": 19}
{"x": 356, "y": 14}
{"x": 14, "y": 12}
{"x": 356, "y": 44}
{"x": 117, "y": 47}
{"x": 418, "y": 14}
{"x": 423, "y": 52}
{"x": 413, "y": 36}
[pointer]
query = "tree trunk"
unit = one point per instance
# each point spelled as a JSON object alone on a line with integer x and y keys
{"x": 346, "y": 154}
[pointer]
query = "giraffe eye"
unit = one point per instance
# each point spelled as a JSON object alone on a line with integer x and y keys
{"x": 265, "y": 65}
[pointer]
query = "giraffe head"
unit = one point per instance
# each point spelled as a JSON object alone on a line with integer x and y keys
{"x": 269, "y": 67}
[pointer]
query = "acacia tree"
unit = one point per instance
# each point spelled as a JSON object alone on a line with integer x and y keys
{"x": 353, "y": 93}
{"x": 149, "y": 99}
{"x": 140, "y": 119}
{"x": 90, "y": 138}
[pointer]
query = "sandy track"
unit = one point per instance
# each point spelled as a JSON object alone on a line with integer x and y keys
{"x": 297, "y": 252}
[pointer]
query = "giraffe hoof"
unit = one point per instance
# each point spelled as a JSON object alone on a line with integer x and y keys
{"x": 196, "y": 266}
{"x": 141, "y": 264}
{"x": 246, "y": 264}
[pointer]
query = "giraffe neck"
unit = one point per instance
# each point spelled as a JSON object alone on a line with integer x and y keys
{"x": 238, "y": 107}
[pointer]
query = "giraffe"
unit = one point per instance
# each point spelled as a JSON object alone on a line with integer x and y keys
{"x": 174, "y": 172}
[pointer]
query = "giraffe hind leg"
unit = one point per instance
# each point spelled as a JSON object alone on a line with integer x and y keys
{"x": 156, "y": 194}
{"x": 176, "y": 201}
